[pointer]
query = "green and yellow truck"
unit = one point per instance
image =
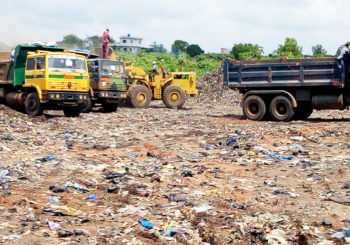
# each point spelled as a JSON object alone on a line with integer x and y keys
{"x": 107, "y": 84}
{"x": 36, "y": 78}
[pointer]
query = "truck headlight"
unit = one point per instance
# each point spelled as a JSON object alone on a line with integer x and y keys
{"x": 52, "y": 96}
{"x": 80, "y": 97}
{"x": 57, "y": 96}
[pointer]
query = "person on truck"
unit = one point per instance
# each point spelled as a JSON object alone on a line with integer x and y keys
{"x": 340, "y": 59}
{"x": 105, "y": 43}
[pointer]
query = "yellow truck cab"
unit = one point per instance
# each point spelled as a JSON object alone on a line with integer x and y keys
{"x": 46, "y": 78}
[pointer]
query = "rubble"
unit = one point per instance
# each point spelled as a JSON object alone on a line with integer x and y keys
{"x": 199, "y": 175}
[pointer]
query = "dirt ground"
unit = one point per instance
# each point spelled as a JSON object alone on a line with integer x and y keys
{"x": 201, "y": 175}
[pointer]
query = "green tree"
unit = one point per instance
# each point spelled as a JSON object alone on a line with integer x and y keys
{"x": 93, "y": 42}
{"x": 194, "y": 50}
{"x": 71, "y": 41}
{"x": 245, "y": 51}
{"x": 156, "y": 48}
{"x": 318, "y": 51}
{"x": 179, "y": 46}
{"x": 290, "y": 49}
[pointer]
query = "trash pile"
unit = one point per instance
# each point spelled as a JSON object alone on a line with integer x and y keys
{"x": 211, "y": 89}
{"x": 200, "y": 175}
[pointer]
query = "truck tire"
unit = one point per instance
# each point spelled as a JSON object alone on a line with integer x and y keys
{"x": 174, "y": 97}
{"x": 140, "y": 96}
{"x": 109, "y": 107}
{"x": 32, "y": 105}
{"x": 303, "y": 111}
{"x": 86, "y": 107}
{"x": 72, "y": 111}
{"x": 254, "y": 107}
{"x": 281, "y": 109}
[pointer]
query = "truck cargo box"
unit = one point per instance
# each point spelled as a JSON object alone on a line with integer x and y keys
{"x": 282, "y": 73}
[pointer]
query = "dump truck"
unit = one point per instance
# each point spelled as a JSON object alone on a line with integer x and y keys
{"x": 107, "y": 84}
{"x": 287, "y": 89}
{"x": 43, "y": 77}
{"x": 172, "y": 89}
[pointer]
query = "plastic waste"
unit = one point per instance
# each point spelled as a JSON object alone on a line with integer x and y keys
{"x": 65, "y": 233}
{"x": 146, "y": 224}
{"x": 54, "y": 199}
{"x": 281, "y": 158}
{"x": 57, "y": 189}
{"x": 91, "y": 197}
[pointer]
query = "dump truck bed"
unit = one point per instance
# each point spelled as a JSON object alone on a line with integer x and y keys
{"x": 282, "y": 73}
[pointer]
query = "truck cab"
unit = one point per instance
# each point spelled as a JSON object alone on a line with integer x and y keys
{"x": 47, "y": 78}
{"x": 108, "y": 84}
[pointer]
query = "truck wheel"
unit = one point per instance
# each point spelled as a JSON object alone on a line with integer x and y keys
{"x": 140, "y": 96}
{"x": 281, "y": 109}
{"x": 303, "y": 111}
{"x": 254, "y": 108}
{"x": 109, "y": 107}
{"x": 174, "y": 97}
{"x": 86, "y": 107}
{"x": 32, "y": 105}
{"x": 72, "y": 111}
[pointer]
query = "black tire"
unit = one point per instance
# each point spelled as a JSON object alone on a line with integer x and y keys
{"x": 109, "y": 107}
{"x": 72, "y": 111}
{"x": 139, "y": 96}
{"x": 303, "y": 111}
{"x": 32, "y": 105}
{"x": 174, "y": 97}
{"x": 281, "y": 109}
{"x": 86, "y": 107}
{"x": 254, "y": 107}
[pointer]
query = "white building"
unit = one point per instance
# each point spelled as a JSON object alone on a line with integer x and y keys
{"x": 129, "y": 43}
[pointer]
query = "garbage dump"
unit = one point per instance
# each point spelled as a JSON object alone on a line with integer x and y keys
{"x": 199, "y": 175}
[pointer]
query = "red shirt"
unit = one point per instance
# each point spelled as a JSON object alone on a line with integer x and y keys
{"x": 105, "y": 37}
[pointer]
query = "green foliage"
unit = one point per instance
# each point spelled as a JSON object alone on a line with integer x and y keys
{"x": 201, "y": 64}
{"x": 179, "y": 46}
{"x": 156, "y": 48}
{"x": 245, "y": 51}
{"x": 194, "y": 50}
{"x": 71, "y": 41}
{"x": 318, "y": 51}
{"x": 289, "y": 49}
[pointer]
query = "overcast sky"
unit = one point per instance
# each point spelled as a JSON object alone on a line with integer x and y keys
{"x": 210, "y": 24}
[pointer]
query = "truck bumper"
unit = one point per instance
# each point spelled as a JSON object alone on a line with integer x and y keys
{"x": 67, "y": 96}
{"x": 111, "y": 95}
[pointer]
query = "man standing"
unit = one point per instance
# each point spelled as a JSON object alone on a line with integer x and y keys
{"x": 344, "y": 52}
{"x": 105, "y": 43}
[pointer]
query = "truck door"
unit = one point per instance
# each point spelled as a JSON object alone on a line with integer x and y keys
{"x": 40, "y": 72}
{"x": 30, "y": 70}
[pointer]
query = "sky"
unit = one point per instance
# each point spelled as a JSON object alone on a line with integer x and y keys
{"x": 212, "y": 24}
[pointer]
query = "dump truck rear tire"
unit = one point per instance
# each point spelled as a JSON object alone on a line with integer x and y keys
{"x": 174, "y": 97}
{"x": 32, "y": 105}
{"x": 86, "y": 107}
{"x": 72, "y": 111}
{"x": 254, "y": 107}
{"x": 140, "y": 96}
{"x": 281, "y": 109}
{"x": 109, "y": 107}
{"x": 303, "y": 111}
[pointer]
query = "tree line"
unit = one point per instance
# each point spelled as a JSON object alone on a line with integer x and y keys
{"x": 240, "y": 51}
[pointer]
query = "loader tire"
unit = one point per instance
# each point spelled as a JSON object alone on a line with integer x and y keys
{"x": 32, "y": 105}
{"x": 140, "y": 96}
{"x": 174, "y": 97}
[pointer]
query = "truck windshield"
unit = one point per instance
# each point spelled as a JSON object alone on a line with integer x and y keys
{"x": 67, "y": 63}
{"x": 110, "y": 68}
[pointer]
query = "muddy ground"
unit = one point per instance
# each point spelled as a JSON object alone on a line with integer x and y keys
{"x": 201, "y": 175}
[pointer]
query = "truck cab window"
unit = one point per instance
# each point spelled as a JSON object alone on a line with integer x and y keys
{"x": 30, "y": 64}
{"x": 40, "y": 62}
